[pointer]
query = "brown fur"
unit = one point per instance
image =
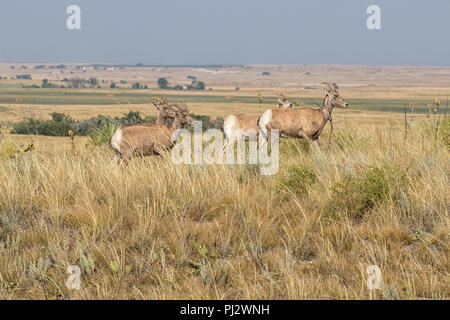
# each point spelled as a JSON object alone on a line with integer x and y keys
{"x": 248, "y": 123}
{"x": 302, "y": 122}
{"x": 148, "y": 139}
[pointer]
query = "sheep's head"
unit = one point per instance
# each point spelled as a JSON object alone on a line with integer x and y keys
{"x": 164, "y": 108}
{"x": 335, "y": 99}
{"x": 283, "y": 102}
{"x": 184, "y": 114}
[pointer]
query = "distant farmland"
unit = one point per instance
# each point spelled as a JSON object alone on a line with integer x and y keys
{"x": 101, "y": 97}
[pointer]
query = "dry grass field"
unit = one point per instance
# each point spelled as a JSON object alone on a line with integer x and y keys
{"x": 155, "y": 230}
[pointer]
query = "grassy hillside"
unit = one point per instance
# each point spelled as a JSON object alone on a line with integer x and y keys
{"x": 155, "y": 230}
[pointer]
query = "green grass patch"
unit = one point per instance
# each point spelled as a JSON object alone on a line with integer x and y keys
{"x": 298, "y": 179}
{"x": 103, "y": 134}
{"x": 444, "y": 131}
{"x": 357, "y": 194}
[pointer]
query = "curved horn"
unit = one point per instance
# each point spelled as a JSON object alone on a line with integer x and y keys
{"x": 178, "y": 106}
{"x": 331, "y": 85}
{"x": 184, "y": 107}
{"x": 160, "y": 100}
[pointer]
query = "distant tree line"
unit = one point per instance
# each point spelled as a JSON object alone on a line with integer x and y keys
{"x": 60, "y": 124}
{"x": 23, "y": 76}
{"x": 43, "y": 66}
{"x": 81, "y": 83}
{"x": 138, "y": 85}
{"x": 48, "y": 84}
{"x": 76, "y": 83}
{"x": 163, "y": 83}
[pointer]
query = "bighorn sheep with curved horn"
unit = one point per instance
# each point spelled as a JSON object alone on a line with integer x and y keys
{"x": 164, "y": 113}
{"x": 150, "y": 139}
{"x": 301, "y": 122}
{"x": 238, "y": 126}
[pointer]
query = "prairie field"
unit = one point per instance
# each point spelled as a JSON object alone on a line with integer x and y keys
{"x": 375, "y": 194}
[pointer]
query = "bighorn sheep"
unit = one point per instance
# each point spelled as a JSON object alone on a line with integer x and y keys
{"x": 301, "y": 122}
{"x": 237, "y": 126}
{"x": 283, "y": 102}
{"x": 149, "y": 139}
{"x": 165, "y": 113}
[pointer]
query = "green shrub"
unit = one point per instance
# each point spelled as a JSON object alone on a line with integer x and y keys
{"x": 102, "y": 135}
{"x": 444, "y": 131}
{"x": 46, "y": 128}
{"x": 208, "y": 123}
{"x": 98, "y": 128}
{"x": 298, "y": 179}
{"x": 132, "y": 117}
{"x": 358, "y": 194}
{"x": 61, "y": 124}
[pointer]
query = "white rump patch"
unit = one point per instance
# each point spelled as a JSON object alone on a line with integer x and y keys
{"x": 265, "y": 118}
{"x": 115, "y": 140}
{"x": 229, "y": 126}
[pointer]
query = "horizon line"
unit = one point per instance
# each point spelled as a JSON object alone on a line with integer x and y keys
{"x": 215, "y": 65}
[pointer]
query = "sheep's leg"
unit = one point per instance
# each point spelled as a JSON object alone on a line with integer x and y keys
{"x": 229, "y": 143}
{"x": 269, "y": 138}
{"x": 269, "y": 135}
{"x": 225, "y": 146}
{"x": 262, "y": 137}
{"x": 127, "y": 155}
{"x": 120, "y": 160}
{"x": 316, "y": 142}
{"x": 115, "y": 158}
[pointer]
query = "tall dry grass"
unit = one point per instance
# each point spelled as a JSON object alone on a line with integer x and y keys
{"x": 154, "y": 230}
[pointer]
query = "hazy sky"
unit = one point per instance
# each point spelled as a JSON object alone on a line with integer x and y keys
{"x": 414, "y": 32}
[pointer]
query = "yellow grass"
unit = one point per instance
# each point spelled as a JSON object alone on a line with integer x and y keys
{"x": 155, "y": 230}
